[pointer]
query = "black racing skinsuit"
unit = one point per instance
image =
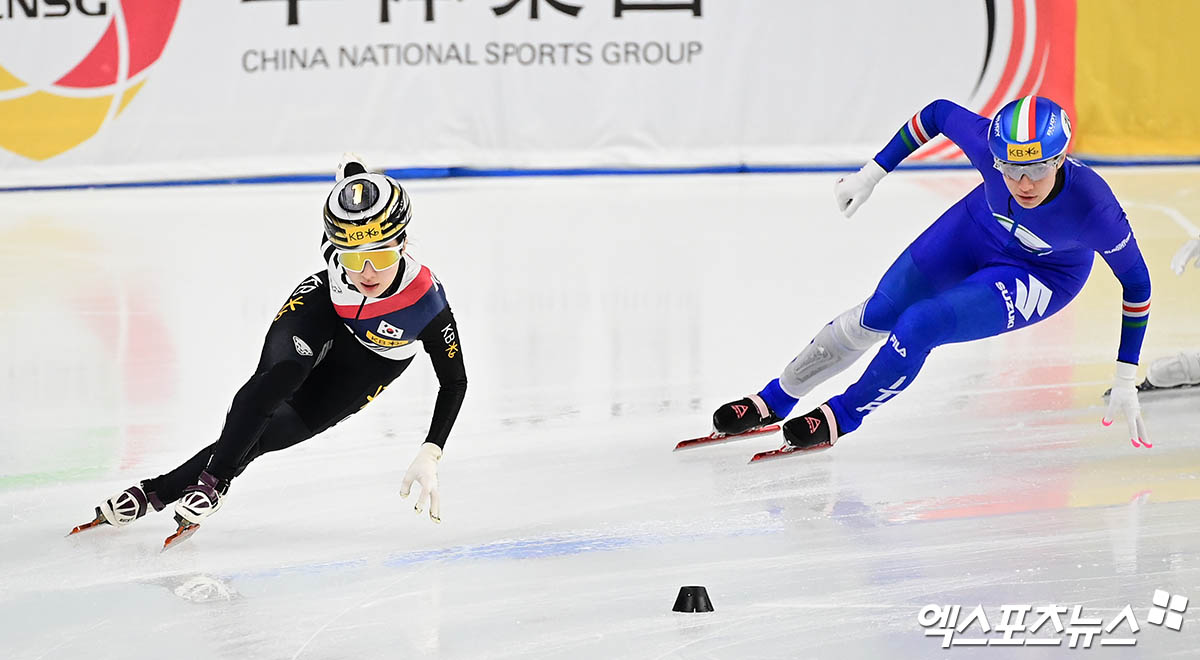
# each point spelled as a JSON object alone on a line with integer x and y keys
{"x": 301, "y": 388}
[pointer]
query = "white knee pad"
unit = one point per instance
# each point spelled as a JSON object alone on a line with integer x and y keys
{"x": 836, "y": 346}
{"x": 1181, "y": 369}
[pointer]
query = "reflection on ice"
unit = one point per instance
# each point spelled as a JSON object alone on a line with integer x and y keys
{"x": 201, "y": 589}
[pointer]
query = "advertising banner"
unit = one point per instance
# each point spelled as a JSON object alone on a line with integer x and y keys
{"x": 126, "y": 90}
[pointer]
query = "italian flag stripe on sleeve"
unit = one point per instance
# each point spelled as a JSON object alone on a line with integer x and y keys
{"x": 917, "y": 129}
{"x": 1135, "y": 309}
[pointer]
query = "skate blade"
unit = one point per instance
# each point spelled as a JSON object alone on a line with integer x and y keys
{"x": 86, "y": 526}
{"x": 715, "y": 438}
{"x": 1147, "y": 388}
{"x": 185, "y": 530}
{"x": 786, "y": 451}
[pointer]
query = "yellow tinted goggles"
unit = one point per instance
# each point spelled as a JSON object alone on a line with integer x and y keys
{"x": 381, "y": 259}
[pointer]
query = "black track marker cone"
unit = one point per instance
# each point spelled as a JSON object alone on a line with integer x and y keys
{"x": 693, "y": 599}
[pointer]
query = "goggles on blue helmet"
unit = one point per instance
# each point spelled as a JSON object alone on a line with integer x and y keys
{"x": 1035, "y": 171}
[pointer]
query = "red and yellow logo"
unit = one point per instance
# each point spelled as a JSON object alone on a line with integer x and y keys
{"x": 48, "y": 105}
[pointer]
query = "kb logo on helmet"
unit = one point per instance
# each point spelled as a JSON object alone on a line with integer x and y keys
{"x": 363, "y": 234}
{"x": 1025, "y": 152}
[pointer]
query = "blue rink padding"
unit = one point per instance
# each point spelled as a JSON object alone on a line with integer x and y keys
{"x": 473, "y": 172}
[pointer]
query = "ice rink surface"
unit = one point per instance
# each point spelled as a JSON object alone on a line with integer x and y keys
{"x": 602, "y": 320}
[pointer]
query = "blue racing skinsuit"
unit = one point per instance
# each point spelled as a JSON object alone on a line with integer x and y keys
{"x": 989, "y": 266}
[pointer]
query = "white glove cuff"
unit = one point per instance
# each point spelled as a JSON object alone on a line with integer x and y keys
{"x": 429, "y": 450}
{"x": 873, "y": 171}
{"x": 1126, "y": 371}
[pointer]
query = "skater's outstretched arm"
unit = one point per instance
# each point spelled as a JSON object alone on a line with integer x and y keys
{"x": 441, "y": 341}
{"x": 965, "y": 128}
{"x": 1111, "y": 236}
{"x": 1107, "y": 231}
{"x": 941, "y": 117}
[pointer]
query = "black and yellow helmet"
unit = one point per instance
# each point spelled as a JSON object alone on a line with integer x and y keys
{"x": 364, "y": 211}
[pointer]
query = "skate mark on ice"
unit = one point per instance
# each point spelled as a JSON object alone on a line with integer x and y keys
{"x": 717, "y": 632}
{"x": 68, "y": 640}
{"x": 358, "y": 604}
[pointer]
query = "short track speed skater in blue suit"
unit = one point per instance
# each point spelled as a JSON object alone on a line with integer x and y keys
{"x": 1012, "y": 252}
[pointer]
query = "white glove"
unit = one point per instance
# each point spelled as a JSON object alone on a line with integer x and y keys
{"x": 851, "y": 191}
{"x": 351, "y": 163}
{"x": 1189, "y": 252}
{"x": 424, "y": 471}
{"x": 1125, "y": 400}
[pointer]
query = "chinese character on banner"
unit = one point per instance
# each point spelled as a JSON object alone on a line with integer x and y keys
{"x": 571, "y": 10}
{"x": 385, "y": 15}
{"x": 293, "y": 10}
{"x": 622, "y": 6}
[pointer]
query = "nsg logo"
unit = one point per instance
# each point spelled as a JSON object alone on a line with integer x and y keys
{"x": 67, "y": 67}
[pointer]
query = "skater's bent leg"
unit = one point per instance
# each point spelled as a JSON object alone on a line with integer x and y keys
{"x": 906, "y": 282}
{"x": 337, "y": 388}
{"x": 837, "y": 345}
{"x": 251, "y": 412}
{"x": 284, "y": 429}
{"x": 296, "y": 341}
{"x": 921, "y": 327}
{"x": 941, "y": 258}
{"x": 846, "y": 338}
{"x": 993, "y": 301}
{"x": 935, "y": 262}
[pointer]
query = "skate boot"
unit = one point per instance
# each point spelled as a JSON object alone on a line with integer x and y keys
{"x": 128, "y": 505}
{"x": 201, "y": 500}
{"x": 816, "y": 430}
{"x": 122, "y": 508}
{"x": 742, "y": 416}
{"x": 1177, "y": 371}
{"x": 198, "y": 502}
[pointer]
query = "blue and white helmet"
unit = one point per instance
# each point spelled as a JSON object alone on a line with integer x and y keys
{"x": 1029, "y": 130}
